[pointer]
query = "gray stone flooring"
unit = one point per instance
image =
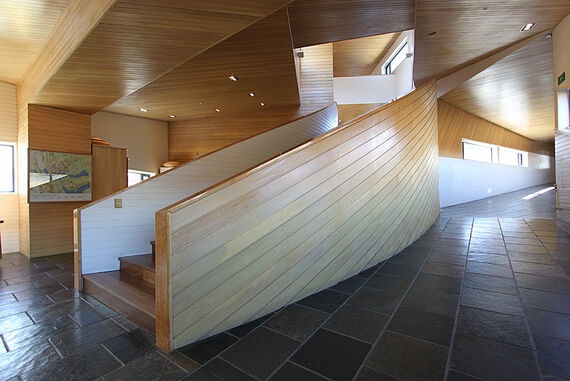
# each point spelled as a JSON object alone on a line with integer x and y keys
{"x": 483, "y": 295}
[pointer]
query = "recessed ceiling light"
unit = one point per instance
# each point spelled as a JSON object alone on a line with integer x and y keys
{"x": 233, "y": 78}
{"x": 201, "y": 103}
{"x": 172, "y": 116}
{"x": 143, "y": 110}
{"x": 549, "y": 35}
{"x": 528, "y": 26}
{"x": 252, "y": 94}
{"x": 262, "y": 104}
{"x": 218, "y": 110}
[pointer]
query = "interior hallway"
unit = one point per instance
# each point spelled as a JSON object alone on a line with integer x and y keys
{"x": 484, "y": 294}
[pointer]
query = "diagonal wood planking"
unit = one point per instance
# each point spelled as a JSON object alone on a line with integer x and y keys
{"x": 260, "y": 56}
{"x": 138, "y": 41}
{"x": 515, "y": 93}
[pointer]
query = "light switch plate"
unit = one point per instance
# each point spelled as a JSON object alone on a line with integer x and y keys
{"x": 118, "y": 203}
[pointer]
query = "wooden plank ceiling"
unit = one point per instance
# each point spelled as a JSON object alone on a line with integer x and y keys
{"x": 138, "y": 41}
{"x": 260, "y": 57}
{"x": 25, "y": 27}
{"x": 515, "y": 93}
{"x": 467, "y": 31}
{"x": 319, "y": 21}
{"x": 360, "y": 56}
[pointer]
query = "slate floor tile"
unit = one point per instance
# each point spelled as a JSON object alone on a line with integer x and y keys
{"x": 531, "y": 249}
{"x": 290, "y": 371}
{"x": 204, "y": 350}
{"x": 85, "y": 365}
{"x": 390, "y": 283}
{"x": 326, "y": 300}
{"x": 543, "y": 283}
{"x": 152, "y": 366}
{"x": 408, "y": 358}
{"x": 538, "y": 269}
{"x": 435, "y": 302}
{"x": 55, "y": 310}
{"x": 492, "y": 301}
{"x": 492, "y": 325}
{"x": 25, "y": 359}
{"x": 367, "y": 374}
{"x": 491, "y": 360}
{"x": 454, "y": 375}
{"x": 71, "y": 341}
{"x": 14, "y": 322}
{"x": 489, "y": 269}
{"x": 489, "y": 258}
{"x": 398, "y": 269}
{"x": 444, "y": 269}
{"x": 357, "y": 323}
{"x": 23, "y": 306}
{"x": 349, "y": 285}
{"x": 490, "y": 283}
{"x": 497, "y": 250}
{"x": 448, "y": 258}
{"x": 531, "y": 258}
{"x": 332, "y": 355}
{"x": 246, "y": 328}
{"x": 375, "y": 300}
{"x": 218, "y": 370}
{"x": 38, "y": 333}
{"x": 423, "y": 325}
{"x": 553, "y": 356}
{"x": 548, "y": 301}
{"x": 296, "y": 321}
{"x": 549, "y": 324}
{"x": 130, "y": 345}
{"x": 437, "y": 283}
{"x": 261, "y": 352}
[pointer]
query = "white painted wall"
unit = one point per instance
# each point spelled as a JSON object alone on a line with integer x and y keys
{"x": 145, "y": 139}
{"x": 108, "y": 233}
{"x": 9, "y": 201}
{"x": 561, "y": 53}
{"x": 462, "y": 181}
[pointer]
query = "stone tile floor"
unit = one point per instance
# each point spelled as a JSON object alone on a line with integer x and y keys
{"x": 483, "y": 295}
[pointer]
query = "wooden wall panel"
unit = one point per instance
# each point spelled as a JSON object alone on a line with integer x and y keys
{"x": 320, "y": 21}
{"x": 195, "y": 137}
{"x": 562, "y": 148}
{"x": 455, "y": 124}
{"x": 49, "y": 227}
{"x": 109, "y": 170}
{"x": 108, "y": 233}
{"x": 304, "y": 221}
{"x": 348, "y": 112}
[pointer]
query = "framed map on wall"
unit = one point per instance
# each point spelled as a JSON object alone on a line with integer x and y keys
{"x": 58, "y": 177}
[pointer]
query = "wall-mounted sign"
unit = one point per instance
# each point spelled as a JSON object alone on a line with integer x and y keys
{"x": 561, "y": 78}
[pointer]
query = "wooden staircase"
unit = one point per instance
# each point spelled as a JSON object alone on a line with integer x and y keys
{"x": 130, "y": 290}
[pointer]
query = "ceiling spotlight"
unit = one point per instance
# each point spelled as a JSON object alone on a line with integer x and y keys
{"x": 218, "y": 110}
{"x": 172, "y": 116}
{"x": 549, "y": 35}
{"x": 528, "y": 26}
{"x": 233, "y": 78}
{"x": 262, "y": 104}
{"x": 201, "y": 103}
{"x": 252, "y": 94}
{"x": 143, "y": 110}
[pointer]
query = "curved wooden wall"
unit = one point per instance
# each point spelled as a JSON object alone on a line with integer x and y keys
{"x": 298, "y": 223}
{"x": 105, "y": 233}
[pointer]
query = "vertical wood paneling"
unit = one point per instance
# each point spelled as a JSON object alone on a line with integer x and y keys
{"x": 50, "y": 225}
{"x": 562, "y": 156}
{"x": 108, "y": 233}
{"x": 306, "y": 220}
{"x": 455, "y": 124}
{"x": 9, "y": 202}
{"x": 109, "y": 171}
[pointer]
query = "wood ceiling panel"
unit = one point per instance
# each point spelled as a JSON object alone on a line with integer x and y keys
{"x": 467, "y": 31}
{"x": 360, "y": 56}
{"x": 138, "y": 41}
{"x": 25, "y": 26}
{"x": 319, "y": 21}
{"x": 261, "y": 57}
{"x": 515, "y": 93}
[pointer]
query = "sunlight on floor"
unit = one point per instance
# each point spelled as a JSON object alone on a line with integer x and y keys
{"x": 533, "y": 195}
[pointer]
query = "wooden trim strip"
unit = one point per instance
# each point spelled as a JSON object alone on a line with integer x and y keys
{"x": 163, "y": 286}
{"x": 77, "y": 270}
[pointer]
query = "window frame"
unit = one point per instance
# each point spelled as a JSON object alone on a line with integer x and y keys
{"x": 388, "y": 66}
{"x": 144, "y": 175}
{"x": 13, "y": 146}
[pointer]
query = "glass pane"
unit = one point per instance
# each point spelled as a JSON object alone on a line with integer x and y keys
{"x": 133, "y": 178}
{"x": 508, "y": 157}
{"x": 6, "y": 168}
{"x": 398, "y": 58}
{"x": 477, "y": 152}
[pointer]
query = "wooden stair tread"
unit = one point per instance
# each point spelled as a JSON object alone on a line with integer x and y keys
{"x": 124, "y": 288}
{"x": 144, "y": 260}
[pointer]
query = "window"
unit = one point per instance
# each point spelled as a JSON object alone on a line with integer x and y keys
{"x": 397, "y": 59}
{"x": 135, "y": 177}
{"x": 490, "y": 153}
{"x": 7, "y": 171}
{"x": 478, "y": 151}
